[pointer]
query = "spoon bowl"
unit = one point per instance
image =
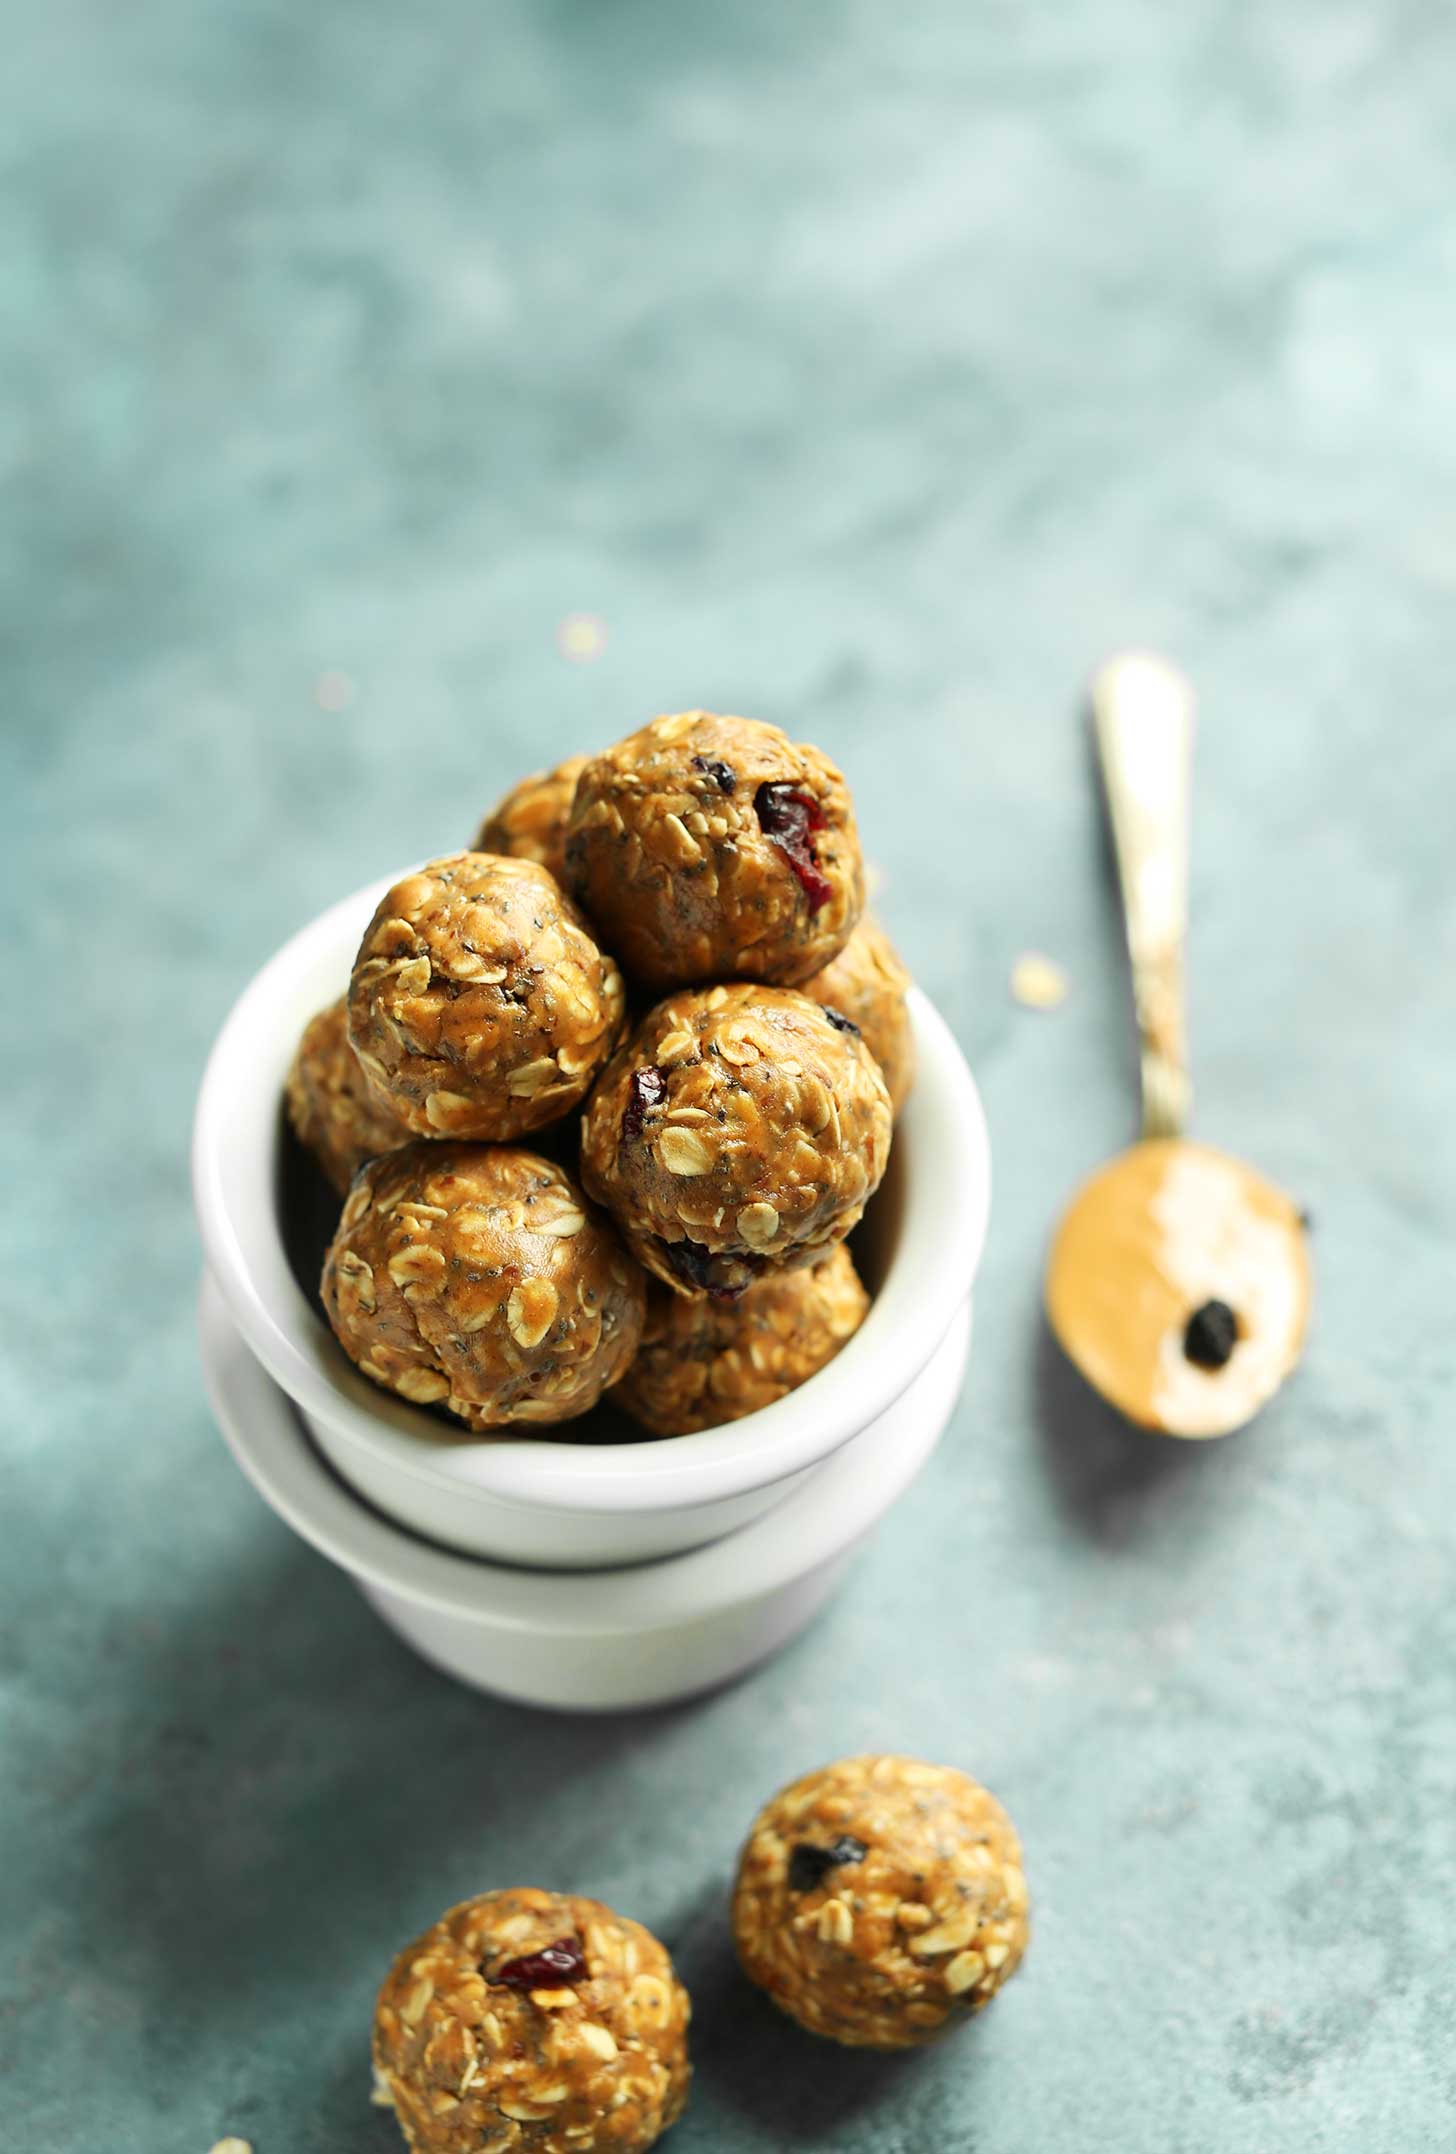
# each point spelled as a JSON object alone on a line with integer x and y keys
{"x": 1162, "y": 1234}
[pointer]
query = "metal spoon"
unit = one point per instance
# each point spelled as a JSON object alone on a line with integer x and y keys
{"x": 1179, "y": 1278}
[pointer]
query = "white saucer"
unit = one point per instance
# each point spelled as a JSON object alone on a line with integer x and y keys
{"x": 592, "y": 1641}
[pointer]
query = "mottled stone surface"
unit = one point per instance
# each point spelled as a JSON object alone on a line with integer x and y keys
{"x": 874, "y": 370}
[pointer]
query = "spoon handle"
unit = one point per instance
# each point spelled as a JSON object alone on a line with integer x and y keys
{"x": 1142, "y": 711}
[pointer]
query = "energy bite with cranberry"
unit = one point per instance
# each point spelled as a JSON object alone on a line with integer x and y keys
{"x": 739, "y": 1130}
{"x": 537, "y": 2021}
{"x": 331, "y": 1107}
{"x": 881, "y": 1901}
{"x": 479, "y": 1004}
{"x": 866, "y": 984}
{"x": 710, "y": 848}
{"x": 703, "y": 1362}
{"x": 530, "y": 822}
{"x": 478, "y": 1278}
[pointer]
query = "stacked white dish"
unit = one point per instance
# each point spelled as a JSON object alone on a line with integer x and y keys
{"x": 585, "y": 1573}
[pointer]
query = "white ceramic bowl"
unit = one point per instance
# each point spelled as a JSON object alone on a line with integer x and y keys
{"x": 596, "y": 1641}
{"x": 568, "y": 1502}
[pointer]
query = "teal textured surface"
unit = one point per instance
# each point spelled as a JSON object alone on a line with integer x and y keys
{"x": 876, "y": 371}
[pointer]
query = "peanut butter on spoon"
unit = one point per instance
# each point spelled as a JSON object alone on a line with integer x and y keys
{"x": 1179, "y": 1278}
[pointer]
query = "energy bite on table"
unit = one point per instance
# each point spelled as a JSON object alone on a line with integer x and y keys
{"x": 703, "y": 1362}
{"x": 537, "y": 2021}
{"x": 866, "y": 983}
{"x": 530, "y": 822}
{"x": 479, "y": 1004}
{"x": 739, "y": 1128}
{"x": 332, "y": 1109}
{"x": 710, "y": 848}
{"x": 881, "y": 1901}
{"x": 477, "y": 1277}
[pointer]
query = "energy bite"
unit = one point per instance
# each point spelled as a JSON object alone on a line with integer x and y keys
{"x": 866, "y": 983}
{"x": 331, "y": 1107}
{"x": 479, "y": 1004}
{"x": 530, "y": 822}
{"x": 703, "y": 1362}
{"x": 710, "y": 848}
{"x": 881, "y": 1901}
{"x": 739, "y": 1129}
{"x": 537, "y": 2021}
{"x": 478, "y": 1278}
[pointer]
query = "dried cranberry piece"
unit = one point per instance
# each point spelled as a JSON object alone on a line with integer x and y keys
{"x": 723, "y": 775}
{"x": 693, "y": 1265}
{"x": 840, "y": 1022}
{"x": 647, "y": 1089}
{"x": 690, "y": 1260}
{"x": 810, "y": 1865}
{"x": 549, "y": 1968}
{"x": 1212, "y": 1335}
{"x": 790, "y": 818}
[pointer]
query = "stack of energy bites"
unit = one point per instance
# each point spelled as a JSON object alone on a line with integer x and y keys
{"x": 707, "y": 873}
{"x": 707, "y": 870}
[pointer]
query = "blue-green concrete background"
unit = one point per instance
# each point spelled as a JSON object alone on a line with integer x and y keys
{"x": 876, "y": 370}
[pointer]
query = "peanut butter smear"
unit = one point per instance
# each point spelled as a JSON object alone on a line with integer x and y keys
{"x": 1156, "y": 1233}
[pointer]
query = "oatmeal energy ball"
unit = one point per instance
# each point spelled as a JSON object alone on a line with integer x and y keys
{"x": 881, "y": 1901}
{"x": 740, "y": 1128}
{"x": 477, "y": 1277}
{"x": 479, "y": 1005}
{"x": 331, "y": 1106}
{"x": 535, "y": 2021}
{"x": 866, "y": 983}
{"x": 531, "y": 820}
{"x": 703, "y": 1362}
{"x": 711, "y": 848}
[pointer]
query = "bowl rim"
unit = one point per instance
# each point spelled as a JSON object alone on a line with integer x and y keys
{"x": 945, "y": 1203}
{"x": 817, "y": 1523}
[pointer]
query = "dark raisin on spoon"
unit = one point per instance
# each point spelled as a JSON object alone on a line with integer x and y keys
{"x": 553, "y": 1965}
{"x": 790, "y": 818}
{"x": 810, "y": 1865}
{"x": 723, "y": 775}
{"x": 1211, "y": 1336}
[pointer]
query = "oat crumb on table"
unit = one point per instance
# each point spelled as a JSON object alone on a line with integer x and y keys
{"x": 1039, "y": 983}
{"x": 881, "y": 1901}
{"x": 532, "y": 2021}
